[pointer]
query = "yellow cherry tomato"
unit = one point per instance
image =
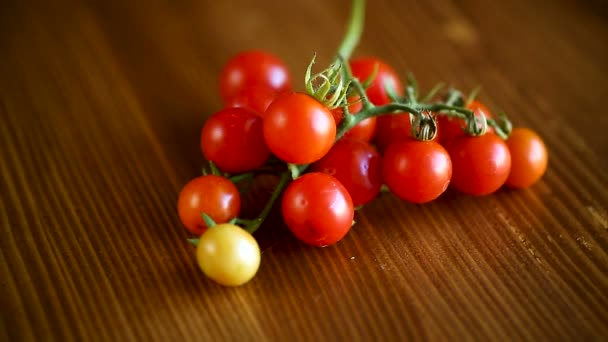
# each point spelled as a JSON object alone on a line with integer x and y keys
{"x": 228, "y": 254}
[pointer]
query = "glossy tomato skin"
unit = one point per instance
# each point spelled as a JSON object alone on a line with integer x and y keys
{"x": 256, "y": 98}
{"x": 253, "y": 68}
{"x": 356, "y": 164}
{"x": 449, "y": 128}
{"x": 317, "y": 209}
{"x": 364, "y": 130}
{"x": 298, "y": 129}
{"x": 362, "y": 68}
{"x": 228, "y": 254}
{"x": 480, "y": 165}
{"x": 529, "y": 158}
{"x": 213, "y": 195}
{"x": 233, "y": 139}
{"x": 391, "y": 129}
{"x": 416, "y": 171}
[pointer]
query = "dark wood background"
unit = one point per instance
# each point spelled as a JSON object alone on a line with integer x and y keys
{"x": 101, "y": 107}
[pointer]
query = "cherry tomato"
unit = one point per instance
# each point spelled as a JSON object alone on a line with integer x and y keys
{"x": 451, "y": 127}
{"x": 228, "y": 254}
{"x": 233, "y": 139}
{"x": 392, "y": 128}
{"x": 356, "y": 164}
{"x": 256, "y": 98}
{"x": 365, "y": 129}
{"x": 416, "y": 171}
{"x": 298, "y": 129}
{"x": 213, "y": 195}
{"x": 317, "y": 209}
{"x": 480, "y": 165}
{"x": 528, "y": 158}
{"x": 253, "y": 68}
{"x": 386, "y": 76}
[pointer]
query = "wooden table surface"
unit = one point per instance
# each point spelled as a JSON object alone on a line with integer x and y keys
{"x": 101, "y": 107}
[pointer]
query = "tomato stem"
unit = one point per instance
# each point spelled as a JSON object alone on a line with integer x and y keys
{"x": 347, "y": 74}
{"x": 254, "y": 224}
{"x": 429, "y": 96}
{"x": 472, "y": 95}
{"x": 242, "y": 177}
{"x": 208, "y": 220}
{"x": 354, "y": 29}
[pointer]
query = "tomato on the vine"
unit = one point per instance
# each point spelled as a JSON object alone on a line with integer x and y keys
{"x": 354, "y": 106}
{"x": 416, "y": 171}
{"x": 356, "y": 164}
{"x": 386, "y": 77}
{"x": 213, "y": 195}
{"x": 298, "y": 129}
{"x": 253, "y": 68}
{"x": 233, "y": 139}
{"x": 228, "y": 254}
{"x": 528, "y": 158}
{"x": 256, "y": 98}
{"x": 450, "y": 127}
{"x": 365, "y": 129}
{"x": 391, "y": 129}
{"x": 317, "y": 209}
{"x": 480, "y": 164}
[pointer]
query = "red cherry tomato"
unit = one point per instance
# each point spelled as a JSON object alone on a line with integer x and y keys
{"x": 480, "y": 165}
{"x": 356, "y": 164}
{"x": 528, "y": 158}
{"x": 449, "y": 128}
{"x": 233, "y": 139}
{"x": 213, "y": 195}
{"x": 392, "y": 128}
{"x": 365, "y": 129}
{"x": 317, "y": 209}
{"x": 253, "y": 68}
{"x": 298, "y": 129}
{"x": 256, "y": 98}
{"x": 416, "y": 171}
{"x": 386, "y": 76}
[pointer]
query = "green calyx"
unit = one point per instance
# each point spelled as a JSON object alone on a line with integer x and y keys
{"x": 424, "y": 126}
{"x": 328, "y": 86}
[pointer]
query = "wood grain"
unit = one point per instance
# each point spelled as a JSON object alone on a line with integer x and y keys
{"x": 101, "y": 106}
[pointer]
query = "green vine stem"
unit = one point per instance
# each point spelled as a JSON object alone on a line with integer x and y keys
{"x": 252, "y": 225}
{"x": 354, "y": 29}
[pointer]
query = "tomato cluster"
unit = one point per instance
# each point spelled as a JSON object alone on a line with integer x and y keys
{"x": 264, "y": 122}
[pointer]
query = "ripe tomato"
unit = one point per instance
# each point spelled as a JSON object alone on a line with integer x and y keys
{"x": 356, "y": 164}
{"x": 480, "y": 164}
{"x": 233, "y": 139}
{"x": 392, "y": 128}
{"x": 228, "y": 254}
{"x": 386, "y": 76}
{"x": 317, "y": 209}
{"x": 416, "y": 171}
{"x": 298, "y": 129}
{"x": 365, "y": 129}
{"x": 256, "y": 98}
{"x": 528, "y": 158}
{"x": 213, "y": 195}
{"x": 449, "y": 128}
{"x": 253, "y": 68}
